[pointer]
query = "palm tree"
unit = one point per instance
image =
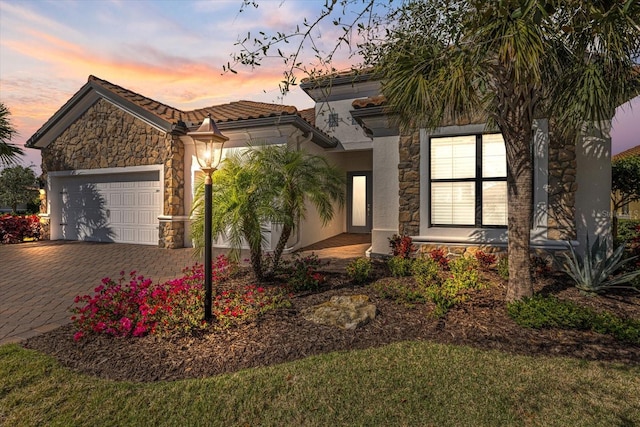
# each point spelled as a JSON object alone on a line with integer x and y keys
{"x": 514, "y": 61}
{"x": 298, "y": 177}
{"x": 240, "y": 205}
{"x": 8, "y": 152}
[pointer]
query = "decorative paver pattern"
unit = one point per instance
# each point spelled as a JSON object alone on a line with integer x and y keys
{"x": 39, "y": 280}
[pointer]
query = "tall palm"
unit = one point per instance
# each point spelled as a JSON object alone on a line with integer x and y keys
{"x": 8, "y": 152}
{"x": 298, "y": 177}
{"x": 240, "y": 205}
{"x": 513, "y": 61}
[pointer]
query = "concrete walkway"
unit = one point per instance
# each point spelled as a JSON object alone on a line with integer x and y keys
{"x": 39, "y": 280}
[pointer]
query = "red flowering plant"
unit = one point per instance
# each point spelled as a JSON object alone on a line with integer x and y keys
{"x": 402, "y": 246}
{"x": 485, "y": 260}
{"x": 302, "y": 273}
{"x": 440, "y": 256}
{"x": 137, "y": 307}
{"x": 15, "y": 228}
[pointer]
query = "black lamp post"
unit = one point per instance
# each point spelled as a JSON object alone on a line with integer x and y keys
{"x": 208, "y": 142}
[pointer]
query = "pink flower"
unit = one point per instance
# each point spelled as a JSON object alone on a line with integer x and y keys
{"x": 78, "y": 335}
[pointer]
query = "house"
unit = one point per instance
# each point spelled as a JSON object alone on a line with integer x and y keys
{"x": 630, "y": 210}
{"x": 120, "y": 167}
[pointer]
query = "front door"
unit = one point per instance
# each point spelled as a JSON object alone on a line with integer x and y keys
{"x": 359, "y": 200}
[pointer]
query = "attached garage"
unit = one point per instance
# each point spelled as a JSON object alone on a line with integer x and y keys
{"x": 106, "y": 206}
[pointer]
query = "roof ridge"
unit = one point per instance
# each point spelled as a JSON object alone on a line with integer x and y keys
{"x": 105, "y": 83}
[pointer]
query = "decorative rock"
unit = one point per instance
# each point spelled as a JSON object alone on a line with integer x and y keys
{"x": 346, "y": 312}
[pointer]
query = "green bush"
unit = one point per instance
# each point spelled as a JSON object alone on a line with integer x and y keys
{"x": 400, "y": 291}
{"x": 539, "y": 312}
{"x": 628, "y": 230}
{"x": 503, "y": 267}
{"x": 359, "y": 270}
{"x": 464, "y": 273}
{"x": 400, "y": 266}
{"x": 425, "y": 271}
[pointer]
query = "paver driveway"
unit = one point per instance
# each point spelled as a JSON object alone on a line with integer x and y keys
{"x": 39, "y": 280}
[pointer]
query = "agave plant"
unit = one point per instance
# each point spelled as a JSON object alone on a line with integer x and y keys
{"x": 595, "y": 272}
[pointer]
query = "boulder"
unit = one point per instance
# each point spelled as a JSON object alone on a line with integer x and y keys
{"x": 346, "y": 312}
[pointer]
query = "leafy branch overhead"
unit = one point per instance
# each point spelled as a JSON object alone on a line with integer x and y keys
{"x": 253, "y": 50}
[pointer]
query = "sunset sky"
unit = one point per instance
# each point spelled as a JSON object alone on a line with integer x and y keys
{"x": 170, "y": 51}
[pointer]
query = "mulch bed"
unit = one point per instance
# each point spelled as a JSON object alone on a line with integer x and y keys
{"x": 283, "y": 335}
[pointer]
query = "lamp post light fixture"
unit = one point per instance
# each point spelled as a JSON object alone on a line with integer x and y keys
{"x": 208, "y": 142}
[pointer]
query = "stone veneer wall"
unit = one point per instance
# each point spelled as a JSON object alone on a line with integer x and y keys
{"x": 562, "y": 189}
{"x": 409, "y": 184}
{"x": 107, "y": 137}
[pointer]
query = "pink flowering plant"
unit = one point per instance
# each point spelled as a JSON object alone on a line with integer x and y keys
{"x": 135, "y": 306}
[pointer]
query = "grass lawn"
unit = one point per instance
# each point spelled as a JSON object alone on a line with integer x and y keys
{"x": 410, "y": 383}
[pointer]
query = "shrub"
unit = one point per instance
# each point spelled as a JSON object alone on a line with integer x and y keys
{"x": 239, "y": 306}
{"x": 14, "y": 228}
{"x": 540, "y": 312}
{"x": 399, "y": 266}
{"x": 628, "y": 229}
{"x": 464, "y": 273}
{"x": 400, "y": 291}
{"x": 503, "y": 267}
{"x": 302, "y": 273}
{"x": 401, "y": 246}
{"x": 446, "y": 295}
{"x": 440, "y": 256}
{"x": 485, "y": 261}
{"x": 137, "y": 307}
{"x": 359, "y": 270}
{"x": 425, "y": 271}
{"x": 594, "y": 273}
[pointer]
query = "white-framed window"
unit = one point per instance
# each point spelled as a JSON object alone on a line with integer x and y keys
{"x": 468, "y": 181}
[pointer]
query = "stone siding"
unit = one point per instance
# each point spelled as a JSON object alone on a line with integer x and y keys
{"x": 409, "y": 184}
{"x": 107, "y": 137}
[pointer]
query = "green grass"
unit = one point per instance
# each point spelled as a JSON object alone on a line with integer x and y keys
{"x": 411, "y": 383}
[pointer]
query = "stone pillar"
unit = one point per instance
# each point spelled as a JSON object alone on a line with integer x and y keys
{"x": 409, "y": 184}
{"x": 171, "y": 235}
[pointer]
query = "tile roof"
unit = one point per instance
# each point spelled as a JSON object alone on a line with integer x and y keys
{"x": 170, "y": 114}
{"x": 374, "y": 101}
{"x": 633, "y": 151}
{"x": 308, "y": 115}
{"x": 239, "y": 110}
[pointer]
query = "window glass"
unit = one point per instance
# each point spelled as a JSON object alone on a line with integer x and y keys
{"x": 494, "y": 156}
{"x": 453, "y": 203}
{"x": 458, "y": 196}
{"x": 453, "y": 157}
{"x": 494, "y": 203}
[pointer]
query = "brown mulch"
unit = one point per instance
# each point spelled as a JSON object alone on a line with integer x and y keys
{"x": 283, "y": 335}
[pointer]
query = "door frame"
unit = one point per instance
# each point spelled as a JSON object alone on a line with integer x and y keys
{"x": 368, "y": 200}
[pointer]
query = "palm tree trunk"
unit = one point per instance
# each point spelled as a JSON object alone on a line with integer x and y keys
{"x": 282, "y": 242}
{"x": 520, "y": 211}
{"x": 256, "y": 263}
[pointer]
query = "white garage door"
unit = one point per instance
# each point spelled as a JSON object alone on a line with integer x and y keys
{"x": 121, "y": 208}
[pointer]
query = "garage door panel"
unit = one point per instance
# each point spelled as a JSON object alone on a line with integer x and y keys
{"x": 120, "y": 208}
